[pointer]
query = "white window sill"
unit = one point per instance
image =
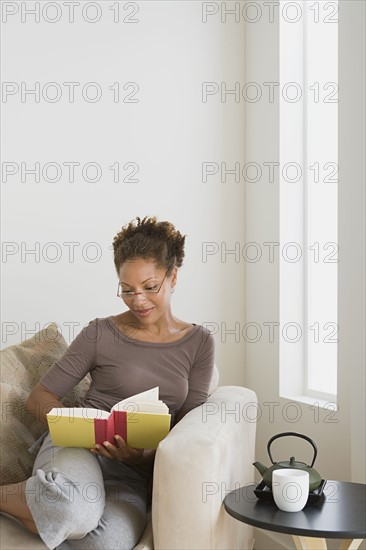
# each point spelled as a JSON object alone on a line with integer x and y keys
{"x": 314, "y": 401}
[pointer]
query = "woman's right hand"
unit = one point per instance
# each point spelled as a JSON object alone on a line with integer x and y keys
{"x": 120, "y": 452}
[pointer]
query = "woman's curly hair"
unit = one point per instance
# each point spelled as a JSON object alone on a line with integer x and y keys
{"x": 147, "y": 239}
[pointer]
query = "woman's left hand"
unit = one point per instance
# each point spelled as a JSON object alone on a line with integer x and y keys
{"x": 120, "y": 452}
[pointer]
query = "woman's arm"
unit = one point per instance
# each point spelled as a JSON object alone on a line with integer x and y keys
{"x": 65, "y": 373}
{"x": 200, "y": 375}
{"x": 41, "y": 401}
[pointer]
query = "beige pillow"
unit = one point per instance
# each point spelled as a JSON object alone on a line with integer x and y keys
{"x": 22, "y": 366}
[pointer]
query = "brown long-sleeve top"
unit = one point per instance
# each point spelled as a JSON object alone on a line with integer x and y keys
{"x": 121, "y": 366}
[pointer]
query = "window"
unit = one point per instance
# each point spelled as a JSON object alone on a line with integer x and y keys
{"x": 308, "y": 202}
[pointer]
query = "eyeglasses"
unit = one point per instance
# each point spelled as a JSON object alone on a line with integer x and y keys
{"x": 130, "y": 293}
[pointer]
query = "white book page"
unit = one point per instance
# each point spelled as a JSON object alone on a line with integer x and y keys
{"x": 77, "y": 412}
{"x": 145, "y": 396}
{"x": 141, "y": 406}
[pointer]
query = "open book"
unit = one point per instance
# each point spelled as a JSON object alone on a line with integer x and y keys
{"x": 142, "y": 420}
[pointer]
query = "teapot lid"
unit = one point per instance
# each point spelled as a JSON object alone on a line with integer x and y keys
{"x": 292, "y": 463}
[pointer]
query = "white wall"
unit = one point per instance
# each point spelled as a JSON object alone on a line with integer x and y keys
{"x": 169, "y": 52}
{"x": 352, "y": 228}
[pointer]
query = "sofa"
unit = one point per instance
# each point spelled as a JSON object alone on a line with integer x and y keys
{"x": 206, "y": 455}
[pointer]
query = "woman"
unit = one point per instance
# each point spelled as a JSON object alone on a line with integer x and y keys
{"x": 96, "y": 499}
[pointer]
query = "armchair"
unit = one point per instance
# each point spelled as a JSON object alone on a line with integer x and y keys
{"x": 207, "y": 454}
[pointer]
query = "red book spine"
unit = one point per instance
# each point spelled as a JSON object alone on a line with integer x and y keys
{"x": 120, "y": 423}
{"x": 100, "y": 430}
{"x": 110, "y": 430}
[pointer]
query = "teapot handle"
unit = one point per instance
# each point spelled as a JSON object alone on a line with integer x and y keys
{"x": 297, "y": 435}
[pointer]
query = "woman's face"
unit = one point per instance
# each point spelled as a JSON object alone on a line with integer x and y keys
{"x": 139, "y": 275}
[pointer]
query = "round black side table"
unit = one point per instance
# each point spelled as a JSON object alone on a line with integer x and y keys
{"x": 342, "y": 515}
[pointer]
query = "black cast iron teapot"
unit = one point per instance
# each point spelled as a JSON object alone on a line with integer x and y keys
{"x": 314, "y": 478}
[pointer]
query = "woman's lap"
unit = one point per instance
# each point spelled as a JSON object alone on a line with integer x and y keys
{"x": 87, "y": 501}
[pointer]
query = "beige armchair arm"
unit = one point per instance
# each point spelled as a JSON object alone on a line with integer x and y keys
{"x": 205, "y": 456}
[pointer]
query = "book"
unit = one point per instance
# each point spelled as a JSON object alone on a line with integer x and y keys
{"x": 142, "y": 420}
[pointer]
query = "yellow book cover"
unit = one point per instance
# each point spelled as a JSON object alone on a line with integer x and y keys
{"x": 142, "y": 420}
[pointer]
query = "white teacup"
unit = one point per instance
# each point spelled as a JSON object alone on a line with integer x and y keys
{"x": 290, "y": 489}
